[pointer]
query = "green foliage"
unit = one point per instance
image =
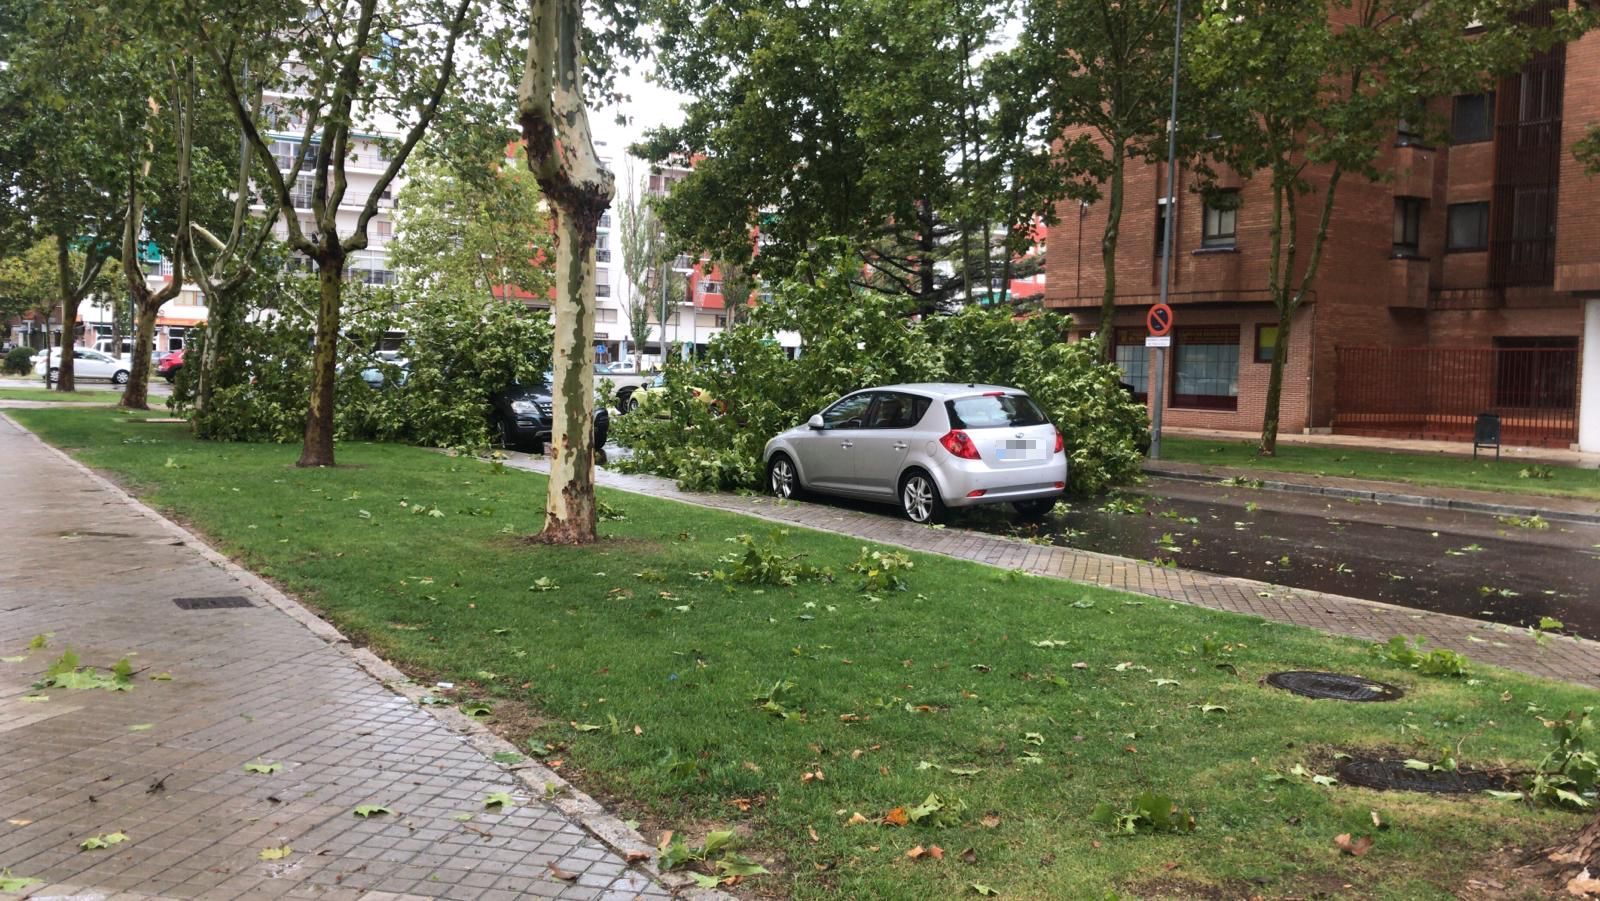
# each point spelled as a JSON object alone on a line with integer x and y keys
{"x": 765, "y": 563}
{"x": 882, "y": 570}
{"x": 461, "y": 349}
{"x": 1149, "y": 812}
{"x": 1437, "y": 662}
{"x": 854, "y": 339}
{"x": 679, "y": 853}
{"x": 67, "y": 672}
{"x": 1587, "y": 150}
{"x": 19, "y": 361}
{"x": 474, "y": 227}
{"x": 1570, "y": 771}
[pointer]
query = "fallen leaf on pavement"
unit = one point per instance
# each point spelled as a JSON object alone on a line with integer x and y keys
{"x": 103, "y": 841}
{"x": 497, "y": 799}
{"x": 637, "y": 856}
{"x": 368, "y": 810}
{"x": 563, "y": 875}
{"x": 264, "y": 769}
{"x": 276, "y": 853}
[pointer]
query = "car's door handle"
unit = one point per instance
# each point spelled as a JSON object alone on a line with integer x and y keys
{"x": 900, "y": 445}
{"x": 847, "y": 444}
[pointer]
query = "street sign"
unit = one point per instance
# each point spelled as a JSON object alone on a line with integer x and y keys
{"x": 1158, "y": 341}
{"x": 1159, "y": 320}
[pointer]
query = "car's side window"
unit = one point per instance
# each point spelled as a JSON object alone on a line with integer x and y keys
{"x": 849, "y": 413}
{"x": 897, "y": 411}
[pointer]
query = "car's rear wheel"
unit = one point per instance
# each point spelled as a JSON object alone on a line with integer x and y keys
{"x": 502, "y": 434}
{"x": 783, "y": 478}
{"x": 120, "y": 377}
{"x": 633, "y": 402}
{"x": 55, "y": 375}
{"x": 919, "y": 498}
{"x": 1035, "y": 509}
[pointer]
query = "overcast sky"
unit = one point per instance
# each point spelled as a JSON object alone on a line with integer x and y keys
{"x": 649, "y": 105}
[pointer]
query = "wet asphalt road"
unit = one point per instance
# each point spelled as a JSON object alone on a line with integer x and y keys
{"x": 1447, "y": 561}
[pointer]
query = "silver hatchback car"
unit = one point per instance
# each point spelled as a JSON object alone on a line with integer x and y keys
{"x": 925, "y": 447}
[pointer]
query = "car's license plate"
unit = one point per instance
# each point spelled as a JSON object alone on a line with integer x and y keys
{"x": 1019, "y": 449}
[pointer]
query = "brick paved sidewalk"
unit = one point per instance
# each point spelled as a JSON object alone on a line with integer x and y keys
{"x": 267, "y": 682}
{"x": 1560, "y": 657}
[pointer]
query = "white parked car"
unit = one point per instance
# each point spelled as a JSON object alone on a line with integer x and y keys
{"x": 926, "y": 447}
{"x": 86, "y": 364}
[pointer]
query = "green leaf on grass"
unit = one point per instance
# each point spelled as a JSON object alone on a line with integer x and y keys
{"x": 738, "y": 865}
{"x": 477, "y": 711}
{"x": 1162, "y": 683}
{"x": 497, "y": 799}
{"x": 369, "y": 810}
{"x": 265, "y": 769}
{"x": 586, "y": 727}
{"x": 984, "y": 890}
{"x": 538, "y": 748}
{"x": 717, "y": 841}
{"x": 704, "y": 880}
{"x": 544, "y": 583}
{"x": 1503, "y": 796}
{"x": 278, "y": 853}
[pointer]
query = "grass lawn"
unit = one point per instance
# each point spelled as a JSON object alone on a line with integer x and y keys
{"x": 1417, "y": 469}
{"x": 80, "y": 396}
{"x": 643, "y": 678}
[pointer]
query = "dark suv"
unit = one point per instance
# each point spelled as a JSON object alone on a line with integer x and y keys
{"x": 521, "y": 418}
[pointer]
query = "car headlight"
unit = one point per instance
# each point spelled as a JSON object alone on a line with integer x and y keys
{"x": 525, "y": 407}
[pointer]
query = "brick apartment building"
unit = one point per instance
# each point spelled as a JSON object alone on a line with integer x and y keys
{"x": 1468, "y": 283}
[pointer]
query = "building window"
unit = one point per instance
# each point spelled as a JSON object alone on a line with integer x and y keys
{"x": 1266, "y": 342}
{"x": 1469, "y": 226}
{"x": 602, "y": 255}
{"x": 1472, "y": 119}
{"x": 605, "y": 314}
{"x": 175, "y": 336}
{"x": 1222, "y": 221}
{"x": 1133, "y": 358}
{"x": 602, "y": 290}
{"x": 1408, "y": 131}
{"x": 710, "y": 287}
{"x": 605, "y": 220}
{"x": 385, "y": 228}
{"x": 1407, "y": 226}
{"x": 300, "y": 192}
{"x": 1161, "y": 228}
{"x": 1205, "y": 370}
{"x": 719, "y": 321}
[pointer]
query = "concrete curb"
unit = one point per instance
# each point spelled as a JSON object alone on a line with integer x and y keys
{"x": 1389, "y": 497}
{"x": 542, "y": 783}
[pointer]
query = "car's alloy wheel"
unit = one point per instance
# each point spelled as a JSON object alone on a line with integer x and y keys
{"x": 502, "y": 433}
{"x": 120, "y": 377}
{"x": 919, "y": 498}
{"x": 781, "y": 477}
{"x": 633, "y": 402}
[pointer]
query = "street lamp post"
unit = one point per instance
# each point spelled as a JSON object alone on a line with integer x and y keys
{"x": 1166, "y": 238}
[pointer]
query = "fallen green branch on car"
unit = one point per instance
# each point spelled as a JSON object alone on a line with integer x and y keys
{"x": 1043, "y": 737}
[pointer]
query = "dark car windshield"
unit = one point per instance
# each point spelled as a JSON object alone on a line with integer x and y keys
{"x": 994, "y": 411}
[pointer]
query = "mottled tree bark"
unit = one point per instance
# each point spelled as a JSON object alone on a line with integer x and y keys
{"x": 317, "y": 449}
{"x": 561, "y": 154}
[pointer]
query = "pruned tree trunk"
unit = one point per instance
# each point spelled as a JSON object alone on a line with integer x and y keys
{"x": 561, "y": 154}
{"x": 69, "y": 316}
{"x": 136, "y": 395}
{"x": 318, "y": 447}
{"x": 1288, "y": 300}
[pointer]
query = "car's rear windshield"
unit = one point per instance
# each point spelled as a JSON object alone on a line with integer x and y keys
{"x": 994, "y": 411}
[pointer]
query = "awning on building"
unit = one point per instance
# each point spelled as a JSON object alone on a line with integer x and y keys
{"x": 181, "y": 321}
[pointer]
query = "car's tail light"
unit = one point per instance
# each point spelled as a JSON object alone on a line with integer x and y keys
{"x": 1061, "y": 484}
{"x": 977, "y": 492}
{"x": 960, "y": 444}
{"x": 1061, "y": 441}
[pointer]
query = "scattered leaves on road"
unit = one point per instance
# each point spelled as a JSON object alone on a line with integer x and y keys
{"x": 262, "y": 768}
{"x": 497, "y": 799}
{"x": 369, "y": 810}
{"x": 277, "y": 853}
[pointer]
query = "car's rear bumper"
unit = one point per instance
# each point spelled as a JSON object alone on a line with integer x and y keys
{"x": 972, "y": 485}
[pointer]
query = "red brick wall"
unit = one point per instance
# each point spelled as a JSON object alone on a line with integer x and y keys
{"x": 1577, "y": 214}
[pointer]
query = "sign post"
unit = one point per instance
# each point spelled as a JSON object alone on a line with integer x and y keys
{"x": 1159, "y": 321}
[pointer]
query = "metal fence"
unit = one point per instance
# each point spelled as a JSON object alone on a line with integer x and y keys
{"x": 1438, "y": 392}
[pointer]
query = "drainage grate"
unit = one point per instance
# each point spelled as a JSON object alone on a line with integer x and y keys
{"x": 1335, "y": 686}
{"x": 1383, "y": 774}
{"x": 222, "y": 602}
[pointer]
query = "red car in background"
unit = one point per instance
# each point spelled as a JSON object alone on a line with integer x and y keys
{"x": 169, "y": 365}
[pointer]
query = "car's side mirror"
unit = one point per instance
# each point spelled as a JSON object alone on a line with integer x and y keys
{"x": 815, "y": 422}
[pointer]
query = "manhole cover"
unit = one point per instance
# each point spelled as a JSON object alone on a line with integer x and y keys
{"x": 1336, "y": 686}
{"x": 213, "y": 603}
{"x": 1394, "y": 775}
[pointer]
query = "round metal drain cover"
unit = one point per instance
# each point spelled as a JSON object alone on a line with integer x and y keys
{"x": 1335, "y": 686}
{"x": 1394, "y": 775}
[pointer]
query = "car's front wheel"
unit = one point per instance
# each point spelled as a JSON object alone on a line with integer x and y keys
{"x": 501, "y": 434}
{"x": 919, "y": 498}
{"x": 783, "y": 478}
{"x": 54, "y": 376}
{"x": 120, "y": 377}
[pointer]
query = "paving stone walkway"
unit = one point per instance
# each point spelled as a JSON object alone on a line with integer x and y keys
{"x": 1559, "y": 657}
{"x": 163, "y": 762}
